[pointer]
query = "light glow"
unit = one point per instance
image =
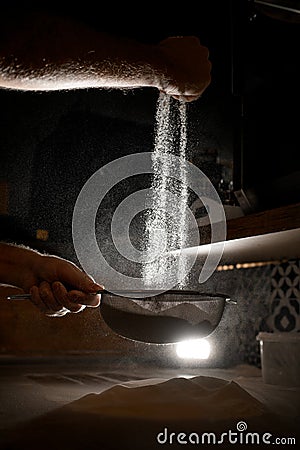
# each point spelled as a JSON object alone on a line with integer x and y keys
{"x": 193, "y": 349}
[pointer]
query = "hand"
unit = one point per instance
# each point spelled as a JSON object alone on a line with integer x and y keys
{"x": 58, "y": 287}
{"x": 188, "y": 67}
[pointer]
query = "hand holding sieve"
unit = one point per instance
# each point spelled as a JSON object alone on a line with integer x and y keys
{"x": 167, "y": 317}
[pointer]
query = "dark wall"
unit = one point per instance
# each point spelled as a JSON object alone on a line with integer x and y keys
{"x": 51, "y": 143}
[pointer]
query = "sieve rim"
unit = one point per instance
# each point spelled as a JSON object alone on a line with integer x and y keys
{"x": 177, "y": 293}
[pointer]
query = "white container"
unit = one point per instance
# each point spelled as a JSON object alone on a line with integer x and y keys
{"x": 280, "y": 358}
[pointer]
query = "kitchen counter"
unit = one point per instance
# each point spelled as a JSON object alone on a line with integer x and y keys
{"x": 33, "y": 388}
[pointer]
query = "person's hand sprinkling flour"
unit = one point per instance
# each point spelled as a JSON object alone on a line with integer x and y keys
{"x": 188, "y": 68}
{"x": 45, "y": 52}
{"x": 57, "y": 286}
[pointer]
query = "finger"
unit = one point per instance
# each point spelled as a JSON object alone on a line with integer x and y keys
{"x": 70, "y": 274}
{"x": 36, "y": 299}
{"x": 186, "y": 98}
{"x": 38, "y": 302}
{"x": 48, "y": 297}
{"x": 62, "y": 312}
{"x": 62, "y": 296}
{"x": 92, "y": 301}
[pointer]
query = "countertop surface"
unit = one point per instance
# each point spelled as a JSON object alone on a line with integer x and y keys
{"x": 30, "y": 389}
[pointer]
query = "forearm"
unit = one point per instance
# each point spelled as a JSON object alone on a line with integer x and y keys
{"x": 54, "y": 54}
{"x": 17, "y": 264}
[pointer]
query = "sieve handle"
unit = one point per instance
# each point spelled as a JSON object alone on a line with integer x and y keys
{"x": 103, "y": 291}
{"x": 28, "y": 296}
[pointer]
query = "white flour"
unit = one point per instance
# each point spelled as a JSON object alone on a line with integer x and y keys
{"x": 166, "y": 224}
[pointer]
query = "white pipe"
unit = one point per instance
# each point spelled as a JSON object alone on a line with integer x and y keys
{"x": 274, "y": 5}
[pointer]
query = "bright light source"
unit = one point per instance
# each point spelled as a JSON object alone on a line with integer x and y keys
{"x": 193, "y": 349}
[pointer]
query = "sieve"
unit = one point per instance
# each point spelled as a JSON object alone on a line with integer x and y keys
{"x": 161, "y": 318}
{"x": 165, "y": 318}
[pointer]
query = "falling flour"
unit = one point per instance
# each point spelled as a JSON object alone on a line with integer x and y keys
{"x": 166, "y": 221}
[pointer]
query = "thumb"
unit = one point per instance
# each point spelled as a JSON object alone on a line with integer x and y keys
{"x": 87, "y": 284}
{"x": 77, "y": 278}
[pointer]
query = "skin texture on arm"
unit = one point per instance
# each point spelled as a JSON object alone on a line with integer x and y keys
{"x": 46, "y": 52}
{"x": 57, "y": 286}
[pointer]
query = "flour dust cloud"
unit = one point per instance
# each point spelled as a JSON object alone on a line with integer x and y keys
{"x": 166, "y": 228}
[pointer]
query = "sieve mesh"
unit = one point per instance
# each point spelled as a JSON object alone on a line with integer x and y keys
{"x": 194, "y": 308}
{"x": 167, "y": 317}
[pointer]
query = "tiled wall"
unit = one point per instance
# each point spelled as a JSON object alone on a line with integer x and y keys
{"x": 284, "y": 314}
{"x": 268, "y": 299}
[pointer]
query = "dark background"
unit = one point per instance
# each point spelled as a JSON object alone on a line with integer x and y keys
{"x": 243, "y": 130}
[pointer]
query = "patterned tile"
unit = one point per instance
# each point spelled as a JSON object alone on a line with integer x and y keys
{"x": 285, "y": 297}
{"x": 268, "y": 299}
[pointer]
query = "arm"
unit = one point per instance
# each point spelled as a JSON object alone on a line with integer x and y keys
{"x": 47, "y": 279}
{"x": 51, "y": 53}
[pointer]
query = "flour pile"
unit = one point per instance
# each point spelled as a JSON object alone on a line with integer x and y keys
{"x": 135, "y": 417}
